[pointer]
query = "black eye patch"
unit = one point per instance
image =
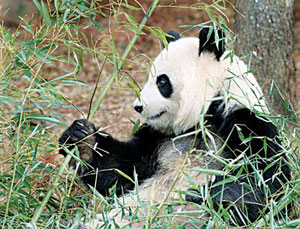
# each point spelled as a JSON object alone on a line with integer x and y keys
{"x": 164, "y": 85}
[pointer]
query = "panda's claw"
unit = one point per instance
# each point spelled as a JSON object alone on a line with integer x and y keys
{"x": 84, "y": 126}
{"x": 78, "y": 135}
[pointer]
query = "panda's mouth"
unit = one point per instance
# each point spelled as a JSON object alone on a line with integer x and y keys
{"x": 157, "y": 115}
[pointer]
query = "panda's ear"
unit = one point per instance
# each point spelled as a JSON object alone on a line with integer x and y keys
{"x": 173, "y": 36}
{"x": 209, "y": 42}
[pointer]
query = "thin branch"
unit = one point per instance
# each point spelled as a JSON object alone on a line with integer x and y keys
{"x": 96, "y": 86}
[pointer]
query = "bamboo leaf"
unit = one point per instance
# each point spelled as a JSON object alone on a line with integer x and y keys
{"x": 131, "y": 20}
{"x": 126, "y": 5}
{"x": 100, "y": 197}
{"x": 136, "y": 126}
{"x": 37, "y": 5}
{"x": 124, "y": 175}
{"x": 45, "y": 14}
{"x": 43, "y": 118}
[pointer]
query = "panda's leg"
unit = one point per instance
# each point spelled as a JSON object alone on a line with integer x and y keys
{"x": 234, "y": 196}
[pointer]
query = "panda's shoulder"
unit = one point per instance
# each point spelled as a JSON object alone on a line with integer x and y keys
{"x": 254, "y": 122}
{"x": 224, "y": 120}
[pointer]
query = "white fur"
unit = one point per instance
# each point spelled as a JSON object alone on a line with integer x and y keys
{"x": 196, "y": 80}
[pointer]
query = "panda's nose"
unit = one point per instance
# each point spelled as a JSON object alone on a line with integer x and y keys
{"x": 138, "y": 108}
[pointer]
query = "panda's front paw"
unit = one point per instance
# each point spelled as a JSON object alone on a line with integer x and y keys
{"x": 80, "y": 133}
{"x": 194, "y": 196}
{"x": 79, "y": 130}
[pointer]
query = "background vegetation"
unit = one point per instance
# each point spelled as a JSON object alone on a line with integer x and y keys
{"x": 49, "y": 65}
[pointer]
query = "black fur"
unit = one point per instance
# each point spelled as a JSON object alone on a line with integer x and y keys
{"x": 174, "y": 34}
{"x": 164, "y": 85}
{"x": 208, "y": 43}
{"x": 138, "y": 109}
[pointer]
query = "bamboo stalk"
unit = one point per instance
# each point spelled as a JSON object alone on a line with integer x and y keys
{"x": 95, "y": 108}
{"x": 51, "y": 190}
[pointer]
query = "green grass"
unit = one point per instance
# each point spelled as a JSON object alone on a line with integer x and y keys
{"x": 33, "y": 100}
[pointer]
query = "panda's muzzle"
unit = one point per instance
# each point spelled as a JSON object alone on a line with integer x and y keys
{"x": 156, "y": 116}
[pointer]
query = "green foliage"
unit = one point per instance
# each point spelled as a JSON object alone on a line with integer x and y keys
{"x": 32, "y": 101}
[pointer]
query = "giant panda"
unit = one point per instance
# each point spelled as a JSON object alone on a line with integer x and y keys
{"x": 204, "y": 111}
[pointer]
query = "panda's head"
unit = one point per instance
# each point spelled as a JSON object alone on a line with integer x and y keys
{"x": 183, "y": 80}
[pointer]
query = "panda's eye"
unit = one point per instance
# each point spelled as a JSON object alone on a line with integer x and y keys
{"x": 161, "y": 82}
{"x": 164, "y": 85}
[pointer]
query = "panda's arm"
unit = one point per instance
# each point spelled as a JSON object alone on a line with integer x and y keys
{"x": 257, "y": 138}
{"x": 108, "y": 158}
